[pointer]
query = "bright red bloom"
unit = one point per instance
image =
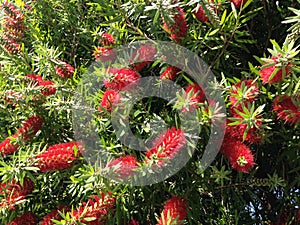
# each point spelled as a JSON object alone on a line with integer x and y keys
{"x": 58, "y": 157}
{"x": 178, "y": 29}
{"x": 7, "y": 146}
{"x": 167, "y": 145}
{"x": 107, "y": 39}
{"x": 26, "y": 219}
{"x": 48, "y": 86}
{"x": 170, "y": 73}
{"x": 133, "y": 222}
{"x": 267, "y": 72}
{"x": 54, "y": 214}
{"x": 193, "y": 96}
{"x": 110, "y": 98}
{"x": 97, "y": 207}
{"x": 124, "y": 166}
{"x": 201, "y": 14}
{"x": 30, "y": 127}
{"x": 238, "y": 3}
{"x": 145, "y": 54}
{"x": 105, "y": 54}
{"x": 13, "y": 192}
{"x": 244, "y": 91}
{"x": 64, "y": 70}
{"x": 287, "y": 108}
{"x": 238, "y": 154}
{"x": 175, "y": 210}
{"x": 121, "y": 78}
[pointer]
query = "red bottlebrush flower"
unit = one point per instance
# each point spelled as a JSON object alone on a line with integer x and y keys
{"x": 26, "y": 219}
{"x": 238, "y": 3}
{"x": 124, "y": 166}
{"x": 48, "y": 86}
{"x": 107, "y": 39}
{"x": 238, "y": 154}
{"x": 110, "y": 98}
{"x": 64, "y": 70}
{"x": 11, "y": 46}
{"x": 244, "y": 91}
{"x": 121, "y": 78}
{"x": 201, "y": 14}
{"x": 97, "y": 208}
{"x": 133, "y": 222}
{"x": 7, "y": 147}
{"x": 12, "y": 11}
{"x": 178, "y": 29}
{"x": 287, "y": 108}
{"x": 167, "y": 145}
{"x": 30, "y": 127}
{"x": 15, "y": 192}
{"x": 170, "y": 73}
{"x": 105, "y": 54}
{"x": 193, "y": 95}
{"x": 145, "y": 54}
{"x": 174, "y": 212}
{"x": 58, "y": 157}
{"x": 270, "y": 75}
{"x": 54, "y": 215}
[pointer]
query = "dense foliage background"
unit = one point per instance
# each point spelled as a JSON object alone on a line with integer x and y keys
{"x": 251, "y": 47}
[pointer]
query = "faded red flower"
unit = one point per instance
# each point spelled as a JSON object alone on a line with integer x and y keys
{"x": 170, "y": 73}
{"x": 238, "y": 154}
{"x": 14, "y": 192}
{"x": 287, "y": 108}
{"x": 110, "y": 98}
{"x": 64, "y": 70}
{"x": 124, "y": 166}
{"x": 30, "y": 127}
{"x": 145, "y": 54}
{"x": 178, "y": 29}
{"x": 244, "y": 91}
{"x": 273, "y": 74}
{"x": 167, "y": 145}
{"x": 238, "y": 3}
{"x": 120, "y": 78}
{"x": 97, "y": 207}
{"x": 174, "y": 212}
{"x": 26, "y": 219}
{"x": 54, "y": 214}
{"x": 107, "y": 39}
{"x": 59, "y": 156}
{"x": 105, "y": 54}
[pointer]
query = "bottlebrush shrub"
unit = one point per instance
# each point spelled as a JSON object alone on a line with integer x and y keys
{"x": 251, "y": 46}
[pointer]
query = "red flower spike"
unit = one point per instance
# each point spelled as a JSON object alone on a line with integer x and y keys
{"x": 170, "y": 73}
{"x": 64, "y": 70}
{"x": 145, "y": 54}
{"x": 238, "y": 3}
{"x": 26, "y": 219}
{"x": 194, "y": 95}
{"x": 14, "y": 192}
{"x": 267, "y": 72}
{"x": 124, "y": 166}
{"x": 107, "y": 39}
{"x": 30, "y": 127}
{"x": 7, "y": 147}
{"x": 121, "y": 78}
{"x": 110, "y": 98}
{"x": 287, "y": 108}
{"x": 58, "y": 157}
{"x": 167, "y": 145}
{"x": 105, "y": 54}
{"x": 54, "y": 214}
{"x": 201, "y": 14}
{"x": 175, "y": 209}
{"x": 244, "y": 91}
{"x": 48, "y": 86}
{"x": 238, "y": 154}
{"x": 178, "y": 29}
{"x": 97, "y": 207}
